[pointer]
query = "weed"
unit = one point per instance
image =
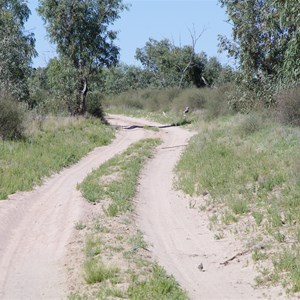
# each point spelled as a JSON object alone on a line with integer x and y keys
{"x": 228, "y": 218}
{"x": 219, "y": 236}
{"x": 159, "y": 286}
{"x": 137, "y": 242}
{"x": 259, "y": 255}
{"x": 79, "y": 225}
{"x": 76, "y": 296}
{"x": 92, "y": 246}
{"x": 258, "y": 217}
{"x": 239, "y": 207}
{"x": 96, "y": 271}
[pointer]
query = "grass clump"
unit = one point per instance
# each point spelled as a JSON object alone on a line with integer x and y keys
{"x": 159, "y": 286}
{"x": 95, "y": 271}
{"x": 24, "y": 163}
{"x": 117, "y": 178}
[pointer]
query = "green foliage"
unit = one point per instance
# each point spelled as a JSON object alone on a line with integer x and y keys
{"x": 94, "y": 105}
{"x": 80, "y": 29}
{"x": 16, "y": 48}
{"x": 121, "y": 78}
{"x": 61, "y": 80}
{"x": 12, "y": 117}
{"x": 266, "y": 37}
{"x": 171, "y": 65}
{"x": 288, "y": 106}
{"x": 47, "y": 151}
{"x": 172, "y": 101}
{"x": 160, "y": 286}
{"x": 39, "y": 89}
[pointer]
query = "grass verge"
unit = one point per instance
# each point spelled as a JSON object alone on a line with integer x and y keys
{"x": 249, "y": 167}
{"x": 117, "y": 178}
{"x": 112, "y": 238}
{"x": 54, "y": 146}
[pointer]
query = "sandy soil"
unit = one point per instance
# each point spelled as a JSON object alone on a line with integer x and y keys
{"x": 37, "y": 228}
{"x": 180, "y": 238}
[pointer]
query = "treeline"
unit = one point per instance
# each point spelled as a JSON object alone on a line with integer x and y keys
{"x": 265, "y": 44}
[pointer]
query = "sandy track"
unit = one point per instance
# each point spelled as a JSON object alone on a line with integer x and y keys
{"x": 180, "y": 238}
{"x": 36, "y": 227}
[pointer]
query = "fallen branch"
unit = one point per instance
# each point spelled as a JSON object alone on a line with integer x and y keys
{"x": 174, "y": 146}
{"x": 226, "y": 262}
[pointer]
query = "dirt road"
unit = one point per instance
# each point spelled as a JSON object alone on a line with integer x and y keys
{"x": 36, "y": 228}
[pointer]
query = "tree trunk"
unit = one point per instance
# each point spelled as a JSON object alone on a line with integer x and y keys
{"x": 81, "y": 110}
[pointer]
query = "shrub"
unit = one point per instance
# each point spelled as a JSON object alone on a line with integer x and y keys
{"x": 249, "y": 124}
{"x": 288, "y": 106}
{"x": 194, "y": 98}
{"x": 12, "y": 117}
{"x": 217, "y": 102}
{"x": 94, "y": 105}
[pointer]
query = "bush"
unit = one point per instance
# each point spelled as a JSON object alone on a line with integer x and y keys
{"x": 94, "y": 105}
{"x": 194, "y": 98}
{"x": 249, "y": 124}
{"x": 217, "y": 102}
{"x": 12, "y": 117}
{"x": 288, "y": 106}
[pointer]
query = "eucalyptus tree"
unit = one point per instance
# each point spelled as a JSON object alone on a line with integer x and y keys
{"x": 81, "y": 30}
{"x": 16, "y": 49}
{"x": 266, "y": 37}
{"x": 171, "y": 65}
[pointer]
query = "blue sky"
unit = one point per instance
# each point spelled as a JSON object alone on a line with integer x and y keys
{"x": 157, "y": 19}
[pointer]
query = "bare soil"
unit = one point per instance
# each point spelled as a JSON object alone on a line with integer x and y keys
{"x": 38, "y": 235}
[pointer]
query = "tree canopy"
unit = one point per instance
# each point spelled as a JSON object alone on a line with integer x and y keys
{"x": 171, "y": 65}
{"x": 81, "y": 31}
{"x": 16, "y": 48}
{"x": 266, "y": 37}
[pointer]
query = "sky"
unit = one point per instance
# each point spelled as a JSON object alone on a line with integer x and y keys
{"x": 156, "y": 19}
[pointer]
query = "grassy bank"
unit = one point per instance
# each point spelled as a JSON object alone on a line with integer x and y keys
{"x": 49, "y": 146}
{"x": 250, "y": 167}
{"x": 116, "y": 262}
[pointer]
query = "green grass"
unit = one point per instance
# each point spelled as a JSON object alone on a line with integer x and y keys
{"x": 117, "y": 178}
{"x": 250, "y": 167}
{"x": 95, "y": 271}
{"x": 23, "y": 164}
{"x": 160, "y": 286}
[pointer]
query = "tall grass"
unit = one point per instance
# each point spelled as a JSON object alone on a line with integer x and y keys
{"x": 171, "y": 101}
{"x": 47, "y": 150}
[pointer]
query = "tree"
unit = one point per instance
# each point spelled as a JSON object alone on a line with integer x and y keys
{"x": 171, "y": 65}
{"x": 290, "y": 20}
{"x": 265, "y": 36}
{"x": 80, "y": 28}
{"x": 16, "y": 49}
